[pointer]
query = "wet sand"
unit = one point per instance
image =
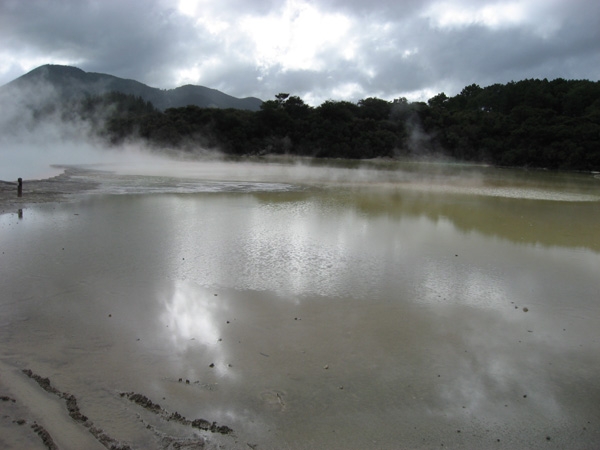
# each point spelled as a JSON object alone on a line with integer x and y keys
{"x": 61, "y": 188}
{"x": 35, "y": 414}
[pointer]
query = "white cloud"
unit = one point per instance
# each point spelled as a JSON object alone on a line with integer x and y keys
{"x": 457, "y": 14}
{"x": 296, "y": 37}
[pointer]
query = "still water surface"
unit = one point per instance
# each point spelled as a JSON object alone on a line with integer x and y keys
{"x": 339, "y": 308}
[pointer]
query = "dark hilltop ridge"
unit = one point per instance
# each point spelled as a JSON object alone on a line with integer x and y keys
{"x": 70, "y": 82}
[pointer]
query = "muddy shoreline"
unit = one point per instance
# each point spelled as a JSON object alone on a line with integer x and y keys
{"x": 60, "y": 188}
{"x": 17, "y": 415}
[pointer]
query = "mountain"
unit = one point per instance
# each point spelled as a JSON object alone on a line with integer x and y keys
{"x": 69, "y": 82}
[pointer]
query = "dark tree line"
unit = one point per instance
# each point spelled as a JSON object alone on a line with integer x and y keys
{"x": 535, "y": 123}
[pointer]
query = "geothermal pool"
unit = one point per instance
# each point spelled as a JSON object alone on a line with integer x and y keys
{"x": 305, "y": 306}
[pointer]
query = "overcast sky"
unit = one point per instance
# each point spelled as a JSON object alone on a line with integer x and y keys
{"x": 316, "y": 49}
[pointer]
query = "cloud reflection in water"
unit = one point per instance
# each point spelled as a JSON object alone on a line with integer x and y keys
{"x": 191, "y": 316}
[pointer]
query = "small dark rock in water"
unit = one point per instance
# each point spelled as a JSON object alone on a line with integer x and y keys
{"x": 548, "y": 438}
{"x": 187, "y": 381}
{"x": 45, "y": 436}
{"x": 144, "y": 402}
{"x": 73, "y": 408}
{"x": 525, "y": 396}
{"x": 211, "y": 365}
{"x": 180, "y": 380}
{"x": 110, "y": 315}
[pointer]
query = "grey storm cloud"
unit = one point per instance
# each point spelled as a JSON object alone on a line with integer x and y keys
{"x": 318, "y": 50}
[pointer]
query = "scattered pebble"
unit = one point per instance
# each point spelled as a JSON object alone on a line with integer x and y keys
{"x": 326, "y": 366}
{"x": 211, "y": 365}
{"x": 525, "y": 309}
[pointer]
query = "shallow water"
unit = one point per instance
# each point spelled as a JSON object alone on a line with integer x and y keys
{"x": 342, "y": 308}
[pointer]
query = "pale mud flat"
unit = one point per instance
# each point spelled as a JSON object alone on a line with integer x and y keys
{"x": 247, "y": 312}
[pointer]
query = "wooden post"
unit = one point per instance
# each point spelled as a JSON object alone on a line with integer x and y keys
{"x": 20, "y": 188}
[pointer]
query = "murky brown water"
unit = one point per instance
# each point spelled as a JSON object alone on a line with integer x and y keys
{"x": 402, "y": 311}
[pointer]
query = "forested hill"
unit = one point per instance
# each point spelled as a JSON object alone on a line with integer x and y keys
{"x": 533, "y": 123}
{"x": 69, "y": 82}
{"x": 541, "y": 123}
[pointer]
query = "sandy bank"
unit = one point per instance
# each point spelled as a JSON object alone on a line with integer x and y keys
{"x": 56, "y": 189}
{"x": 35, "y": 414}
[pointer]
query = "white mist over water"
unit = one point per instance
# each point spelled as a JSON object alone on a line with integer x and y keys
{"x": 40, "y": 130}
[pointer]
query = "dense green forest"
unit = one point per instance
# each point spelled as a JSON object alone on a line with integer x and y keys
{"x": 531, "y": 123}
